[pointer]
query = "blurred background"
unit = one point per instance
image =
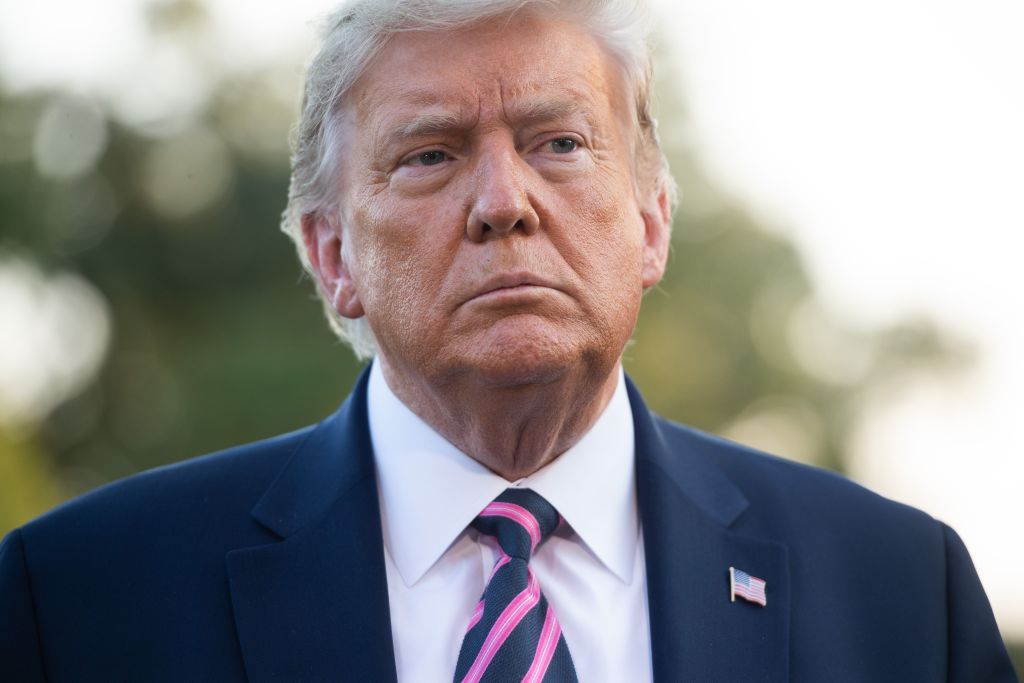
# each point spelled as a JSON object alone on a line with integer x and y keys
{"x": 844, "y": 287}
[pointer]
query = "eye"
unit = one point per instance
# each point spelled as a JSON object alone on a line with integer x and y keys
{"x": 563, "y": 145}
{"x": 430, "y": 158}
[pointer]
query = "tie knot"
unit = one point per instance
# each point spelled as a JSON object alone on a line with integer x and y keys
{"x": 519, "y": 519}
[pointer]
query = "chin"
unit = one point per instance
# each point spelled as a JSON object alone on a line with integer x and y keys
{"x": 528, "y": 352}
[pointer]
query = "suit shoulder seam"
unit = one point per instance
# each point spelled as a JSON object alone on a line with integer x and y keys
{"x": 944, "y": 530}
{"x": 20, "y": 539}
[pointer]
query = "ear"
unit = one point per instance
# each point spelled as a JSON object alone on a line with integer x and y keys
{"x": 657, "y": 215}
{"x": 323, "y": 239}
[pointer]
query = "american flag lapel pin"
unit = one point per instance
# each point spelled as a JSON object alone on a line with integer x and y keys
{"x": 748, "y": 587}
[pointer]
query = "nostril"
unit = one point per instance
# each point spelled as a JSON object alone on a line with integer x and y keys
{"x": 501, "y": 227}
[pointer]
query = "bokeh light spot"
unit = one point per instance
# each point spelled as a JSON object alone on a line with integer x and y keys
{"x": 70, "y": 138}
{"x": 56, "y": 330}
{"x": 187, "y": 173}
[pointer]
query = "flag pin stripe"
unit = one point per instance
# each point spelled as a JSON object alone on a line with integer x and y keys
{"x": 750, "y": 588}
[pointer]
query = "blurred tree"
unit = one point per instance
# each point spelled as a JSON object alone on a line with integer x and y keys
{"x": 29, "y": 487}
{"x": 1017, "y": 656}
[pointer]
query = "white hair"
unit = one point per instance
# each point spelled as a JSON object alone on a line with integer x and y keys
{"x": 357, "y": 31}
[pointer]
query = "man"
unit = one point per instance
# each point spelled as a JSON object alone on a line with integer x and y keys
{"x": 478, "y": 191}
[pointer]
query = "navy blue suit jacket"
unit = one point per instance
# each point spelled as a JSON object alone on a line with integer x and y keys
{"x": 265, "y": 563}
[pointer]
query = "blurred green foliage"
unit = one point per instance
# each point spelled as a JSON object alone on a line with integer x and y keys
{"x": 218, "y": 340}
{"x": 1017, "y": 656}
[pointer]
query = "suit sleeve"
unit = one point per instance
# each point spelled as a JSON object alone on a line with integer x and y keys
{"x": 20, "y": 652}
{"x": 975, "y": 648}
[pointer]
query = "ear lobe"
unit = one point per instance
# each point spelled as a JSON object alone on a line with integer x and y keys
{"x": 657, "y": 217}
{"x": 322, "y": 237}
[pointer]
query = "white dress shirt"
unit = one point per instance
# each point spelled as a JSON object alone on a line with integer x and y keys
{"x": 591, "y": 569}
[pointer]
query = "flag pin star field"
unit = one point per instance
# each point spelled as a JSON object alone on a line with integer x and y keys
{"x": 750, "y": 588}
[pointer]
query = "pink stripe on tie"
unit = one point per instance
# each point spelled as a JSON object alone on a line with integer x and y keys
{"x": 549, "y": 635}
{"x": 519, "y": 514}
{"x": 506, "y": 623}
{"x": 478, "y": 613}
{"x": 498, "y": 565}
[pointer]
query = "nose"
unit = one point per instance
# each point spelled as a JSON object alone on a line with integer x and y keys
{"x": 502, "y": 203}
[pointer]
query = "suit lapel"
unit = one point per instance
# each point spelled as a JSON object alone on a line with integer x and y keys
{"x": 687, "y": 507}
{"x": 314, "y": 606}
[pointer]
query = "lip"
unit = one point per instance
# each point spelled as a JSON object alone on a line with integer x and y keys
{"x": 511, "y": 283}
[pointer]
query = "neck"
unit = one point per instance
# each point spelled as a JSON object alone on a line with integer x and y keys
{"x": 512, "y": 430}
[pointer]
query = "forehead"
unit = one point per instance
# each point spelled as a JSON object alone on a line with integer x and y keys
{"x": 542, "y": 64}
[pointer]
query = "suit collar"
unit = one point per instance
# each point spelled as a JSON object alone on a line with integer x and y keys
{"x": 688, "y": 508}
{"x": 696, "y": 478}
{"x": 336, "y": 455}
{"x": 314, "y": 606}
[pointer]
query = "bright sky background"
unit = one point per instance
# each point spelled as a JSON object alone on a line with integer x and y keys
{"x": 884, "y": 136}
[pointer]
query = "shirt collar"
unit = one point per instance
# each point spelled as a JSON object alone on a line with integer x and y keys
{"x": 430, "y": 491}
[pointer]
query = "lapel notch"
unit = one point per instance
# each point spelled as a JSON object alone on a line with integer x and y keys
{"x": 314, "y": 606}
{"x": 687, "y": 506}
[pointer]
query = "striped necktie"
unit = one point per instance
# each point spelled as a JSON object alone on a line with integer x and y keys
{"x": 513, "y": 634}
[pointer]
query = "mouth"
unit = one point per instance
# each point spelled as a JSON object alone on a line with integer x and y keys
{"x": 512, "y": 286}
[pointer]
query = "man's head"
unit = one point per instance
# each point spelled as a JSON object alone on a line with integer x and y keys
{"x": 480, "y": 182}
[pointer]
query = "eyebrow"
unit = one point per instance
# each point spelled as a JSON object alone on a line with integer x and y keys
{"x": 429, "y": 123}
{"x": 540, "y": 111}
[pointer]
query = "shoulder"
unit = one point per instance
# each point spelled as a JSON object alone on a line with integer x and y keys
{"x": 183, "y": 497}
{"x": 791, "y": 497}
{"x": 851, "y": 552}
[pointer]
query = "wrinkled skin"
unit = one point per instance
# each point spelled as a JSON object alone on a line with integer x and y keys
{"x": 493, "y": 233}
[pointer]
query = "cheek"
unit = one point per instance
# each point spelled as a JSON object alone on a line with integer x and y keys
{"x": 400, "y": 258}
{"x": 604, "y": 244}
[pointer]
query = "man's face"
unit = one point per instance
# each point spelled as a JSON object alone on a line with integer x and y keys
{"x": 491, "y": 224}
